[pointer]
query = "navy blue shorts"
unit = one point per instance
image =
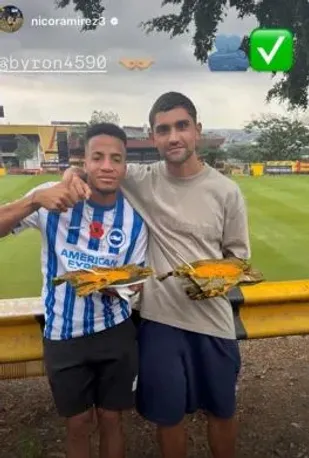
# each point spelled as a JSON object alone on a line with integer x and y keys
{"x": 181, "y": 372}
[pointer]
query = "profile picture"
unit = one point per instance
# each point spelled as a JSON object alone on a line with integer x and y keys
{"x": 11, "y": 18}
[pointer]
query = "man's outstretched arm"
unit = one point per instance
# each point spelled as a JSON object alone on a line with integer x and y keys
{"x": 12, "y": 214}
{"x": 58, "y": 197}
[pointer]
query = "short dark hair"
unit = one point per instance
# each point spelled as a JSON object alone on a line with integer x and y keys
{"x": 106, "y": 128}
{"x": 169, "y": 101}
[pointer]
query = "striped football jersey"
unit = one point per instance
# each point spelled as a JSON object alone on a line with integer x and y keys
{"x": 86, "y": 235}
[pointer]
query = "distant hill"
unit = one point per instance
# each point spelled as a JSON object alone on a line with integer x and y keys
{"x": 232, "y": 136}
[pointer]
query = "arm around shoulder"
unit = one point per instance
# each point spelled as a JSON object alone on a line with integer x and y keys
{"x": 136, "y": 173}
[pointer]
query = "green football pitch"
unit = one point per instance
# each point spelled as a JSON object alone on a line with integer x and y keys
{"x": 278, "y": 210}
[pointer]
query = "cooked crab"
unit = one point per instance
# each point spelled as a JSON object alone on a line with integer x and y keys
{"x": 210, "y": 278}
{"x": 99, "y": 278}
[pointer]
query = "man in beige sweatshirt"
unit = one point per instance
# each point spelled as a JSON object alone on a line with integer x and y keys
{"x": 189, "y": 356}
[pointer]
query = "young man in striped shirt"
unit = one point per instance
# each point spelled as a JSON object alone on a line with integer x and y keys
{"x": 89, "y": 343}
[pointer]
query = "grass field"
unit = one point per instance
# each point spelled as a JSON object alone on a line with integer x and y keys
{"x": 279, "y": 226}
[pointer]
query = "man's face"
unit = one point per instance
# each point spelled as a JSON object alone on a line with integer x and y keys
{"x": 176, "y": 135}
{"x": 105, "y": 163}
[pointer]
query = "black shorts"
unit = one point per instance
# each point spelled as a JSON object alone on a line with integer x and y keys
{"x": 98, "y": 370}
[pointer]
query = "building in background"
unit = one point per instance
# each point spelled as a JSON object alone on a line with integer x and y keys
{"x": 43, "y": 138}
{"x": 134, "y": 132}
{"x": 60, "y": 144}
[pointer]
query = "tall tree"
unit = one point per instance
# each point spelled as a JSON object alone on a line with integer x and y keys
{"x": 101, "y": 116}
{"x": 205, "y": 16}
{"x": 280, "y": 138}
{"x": 25, "y": 148}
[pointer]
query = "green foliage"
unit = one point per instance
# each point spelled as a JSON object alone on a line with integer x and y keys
{"x": 280, "y": 138}
{"x": 91, "y": 9}
{"x": 29, "y": 444}
{"x": 100, "y": 116}
{"x": 205, "y": 16}
{"x": 244, "y": 153}
{"x": 212, "y": 155}
{"x": 25, "y": 148}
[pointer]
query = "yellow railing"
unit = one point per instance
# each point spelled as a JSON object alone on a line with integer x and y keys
{"x": 269, "y": 309}
{"x": 273, "y": 309}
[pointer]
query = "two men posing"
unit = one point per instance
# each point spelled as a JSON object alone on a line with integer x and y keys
{"x": 188, "y": 357}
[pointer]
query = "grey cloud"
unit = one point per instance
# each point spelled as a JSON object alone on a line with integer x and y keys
{"x": 124, "y": 40}
{"x": 128, "y": 92}
{"x": 126, "y": 35}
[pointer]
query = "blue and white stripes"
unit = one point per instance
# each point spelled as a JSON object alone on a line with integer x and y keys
{"x": 68, "y": 315}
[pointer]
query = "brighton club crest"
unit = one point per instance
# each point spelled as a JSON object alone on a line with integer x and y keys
{"x": 116, "y": 238}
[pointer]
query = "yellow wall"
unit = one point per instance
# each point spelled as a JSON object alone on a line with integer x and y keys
{"x": 48, "y": 137}
{"x": 47, "y": 134}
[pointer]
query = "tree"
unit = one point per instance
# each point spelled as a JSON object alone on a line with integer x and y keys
{"x": 279, "y": 137}
{"x": 245, "y": 153}
{"x": 205, "y": 16}
{"x": 100, "y": 116}
{"x": 212, "y": 155}
{"x": 25, "y": 148}
{"x": 90, "y": 9}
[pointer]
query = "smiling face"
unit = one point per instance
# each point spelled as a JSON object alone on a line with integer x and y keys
{"x": 176, "y": 135}
{"x": 105, "y": 163}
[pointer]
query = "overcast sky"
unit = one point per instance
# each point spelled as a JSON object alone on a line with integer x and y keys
{"x": 223, "y": 100}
